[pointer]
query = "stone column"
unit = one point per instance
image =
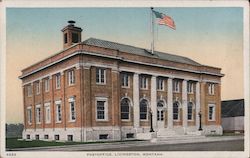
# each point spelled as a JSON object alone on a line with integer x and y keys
{"x": 184, "y": 104}
{"x": 136, "y": 100}
{"x": 170, "y": 103}
{"x": 197, "y": 102}
{"x": 154, "y": 100}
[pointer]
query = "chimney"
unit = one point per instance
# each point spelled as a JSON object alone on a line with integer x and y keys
{"x": 71, "y": 34}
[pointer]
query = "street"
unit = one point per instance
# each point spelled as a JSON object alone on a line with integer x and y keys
{"x": 234, "y": 145}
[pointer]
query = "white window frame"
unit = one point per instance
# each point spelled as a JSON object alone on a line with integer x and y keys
{"x": 46, "y": 85}
{"x": 38, "y": 88}
{"x": 129, "y": 109}
{"x": 125, "y": 81}
{"x": 72, "y": 100}
{"x": 58, "y": 103}
{"x": 99, "y": 75}
{"x": 47, "y": 113}
{"x": 71, "y": 77}
{"x": 192, "y": 113}
{"x": 176, "y": 86}
{"x": 105, "y": 108}
{"x": 160, "y": 84}
{"x": 29, "y": 115}
{"x": 147, "y": 112}
{"x": 190, "y": 87}
{"x": 178, "y": 114}
{"x": 38, "y": 114}
{"x": 143, "y": 82}
{"x": 29, "y": 90}
{"x": 58, "y": 81}
{"x": 211, "y": 88}
{"x": 214, "y": 111}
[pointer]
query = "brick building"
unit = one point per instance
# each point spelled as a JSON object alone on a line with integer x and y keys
{"x": 97, "y": 89}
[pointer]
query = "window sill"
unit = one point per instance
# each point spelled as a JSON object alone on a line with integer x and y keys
{"x": 126, "y": 87}
{"x": 143, "y": 88}
{"x": 190, "y": 92}
{"x": 72, "y": 121}
{"x": 99, "y": 120}
{"x": 160, "y": 90}
{"x": 101, "y": 84}
{"x": 71, "y": 85}
{"x": 58, "y": 88}
{"x": 144, "y": 120}
{"x": 59, "y": 122}
{"x": 47, "y": 122}
{"x": 125, "y": 120}
{"x": 211, "y": 120}
{"x": 38, "y": 123}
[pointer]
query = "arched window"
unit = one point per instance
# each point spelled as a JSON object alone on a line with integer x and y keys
{"x": 125, "y": 103}
{"x": 190, "y": 110}
{"x": 143, "y": 109}
{"x": 176, "y": 110}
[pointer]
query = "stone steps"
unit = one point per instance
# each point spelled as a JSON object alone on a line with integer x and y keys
{"x": 179, "y": 137}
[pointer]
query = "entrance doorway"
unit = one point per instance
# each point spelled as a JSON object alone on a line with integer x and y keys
{"x": 160, "y": 114}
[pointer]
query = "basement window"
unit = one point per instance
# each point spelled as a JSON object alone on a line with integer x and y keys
{"x": 70, "y": 138}
{"x": 57, "y": 137}
{"x": 27, "y": 136}
{"x": 46, "y": 136}
{"x": 130, "y": 135}
{"x": 37, "y": 137}
{"x": 103, "y": 136}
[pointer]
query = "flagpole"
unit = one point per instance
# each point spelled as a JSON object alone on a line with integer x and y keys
{"x": 152, "y": 31}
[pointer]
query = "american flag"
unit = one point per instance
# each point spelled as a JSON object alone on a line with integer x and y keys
{"x": 164, "y": 20}
{"x": 168, "y": 21}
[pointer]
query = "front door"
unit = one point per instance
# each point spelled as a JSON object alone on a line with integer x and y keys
{"x": 160, "y": 114}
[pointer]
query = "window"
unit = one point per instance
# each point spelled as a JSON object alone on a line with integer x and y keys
{"x": 176, "y": 86}
{"x": 190, "y": 87}
{"x": 143, "y": 82}
{"x": 176, "y": 110}
{"x": 46, "y": 136}
{"x": 70, "y": 138}
{"x": 38, "y": 114}
{"x": 211, "y": 112}
{"x": 143, "y": 109}
{"x": 37, "y": 137}
{"x": 27, "y": 136}
{"x": 38, "y": 88}
{"x": 130, "y": 135}
{"x": 101, "y": 109}
{"x": 160, "y": 84}
{"x": 72, "y": 115}
{"x": 103, "y": 136}
{"x": 46, "y": 84}
{"x": 71, "y": 77}
{"x": 190, "y": 111}
{"x": 47, "y": 112}
{"x": 29, "y": 115}
{"x": 57, "y": 137}
{"x": 58, "y": 111}
{"x": 211, "y": 88}
{"x": 75, "y": 38}
{"x": 58, "y": 81}
{"x": 100, "y": 76}
{"x": 125, "y": 103}
{"x": 65, "y": 38}
{"x": 125, "y": 80}
{"x": 29, "y": 90}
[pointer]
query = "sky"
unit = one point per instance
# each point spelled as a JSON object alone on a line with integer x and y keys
{"x": 210, "y": 36}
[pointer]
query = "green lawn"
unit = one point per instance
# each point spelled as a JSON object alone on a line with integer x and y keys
{"x": 12, "y": 143}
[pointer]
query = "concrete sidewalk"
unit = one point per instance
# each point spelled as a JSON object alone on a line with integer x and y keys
{"x": 113, "y": 145}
